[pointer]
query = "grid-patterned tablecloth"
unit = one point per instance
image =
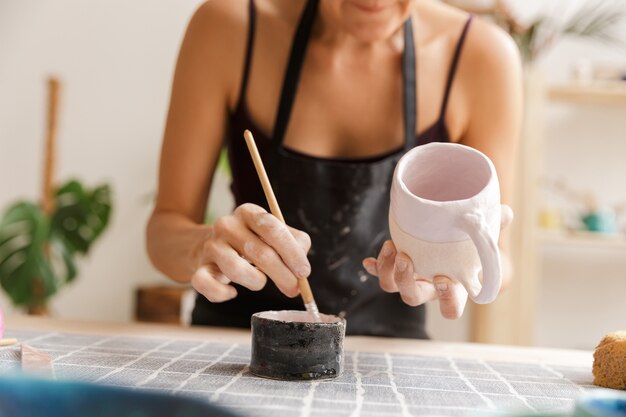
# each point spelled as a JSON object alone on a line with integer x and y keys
{"x": 373, "y": 384}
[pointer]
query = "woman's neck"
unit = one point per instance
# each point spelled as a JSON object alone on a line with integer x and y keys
{"x": 331, "y": 31}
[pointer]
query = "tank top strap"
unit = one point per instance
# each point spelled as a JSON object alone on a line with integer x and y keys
{"x": 248, "y": 57}
{"x": 453, "y": 67}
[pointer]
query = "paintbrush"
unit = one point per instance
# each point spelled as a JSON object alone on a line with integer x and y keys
{"x": 303, "y": 283}
{"x": 7, "y": 342}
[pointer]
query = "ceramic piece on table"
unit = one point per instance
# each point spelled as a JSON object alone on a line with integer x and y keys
{"x": 550, "y": 218}
{"x": 296, "y": 345}
{"x": 446, "y": 215}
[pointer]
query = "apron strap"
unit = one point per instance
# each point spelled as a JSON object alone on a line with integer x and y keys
{"x": 409, "y": 75}
{"x": 292, "y": 75}
{"x": 294, "y": 67}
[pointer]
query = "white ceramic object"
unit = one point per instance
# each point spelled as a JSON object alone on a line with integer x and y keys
{"x": 446, "y": 215}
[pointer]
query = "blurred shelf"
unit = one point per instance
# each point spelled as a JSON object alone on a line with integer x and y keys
{"x": 582, "y": 239}
{"x": 596, "y": 92}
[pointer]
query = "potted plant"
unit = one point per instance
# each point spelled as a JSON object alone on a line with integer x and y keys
{"x": 596, "y": 20}
{"x": 40, "y": 241}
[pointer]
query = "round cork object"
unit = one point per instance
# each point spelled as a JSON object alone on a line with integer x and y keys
{"x": 293, "y": 345}
{"x": 609, "y": 361}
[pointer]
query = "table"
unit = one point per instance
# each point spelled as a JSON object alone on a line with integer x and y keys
{"x": 383, "y": 377}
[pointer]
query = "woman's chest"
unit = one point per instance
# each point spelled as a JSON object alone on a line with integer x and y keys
{"x": 346, "y": 106}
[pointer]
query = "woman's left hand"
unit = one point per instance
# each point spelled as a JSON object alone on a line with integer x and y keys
{"x": 395, "y": 273}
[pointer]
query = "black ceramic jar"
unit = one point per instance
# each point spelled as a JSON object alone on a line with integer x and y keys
{"x": 293, "y": 345}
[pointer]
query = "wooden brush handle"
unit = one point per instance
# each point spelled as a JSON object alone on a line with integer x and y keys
{"x": 305, "y": 288}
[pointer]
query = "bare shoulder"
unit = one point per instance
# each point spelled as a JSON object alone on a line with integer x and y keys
{"x": 216, "y": 37}
{"x": 214, "y": 41}
{"x": 490, "y": 49}
{"x": 486, "y": 48}
{"x": 221, "y": 15}
{"x": 491, "y": 76}
{"x": 219, "y": 24}
{"x": 231, "y": 17}
{"x": 488, "y": 78}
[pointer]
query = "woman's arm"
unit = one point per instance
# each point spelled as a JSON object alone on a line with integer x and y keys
{"x": 192, "y": 140}
{"x": 205, "y": 86}
{"x": 490, "y": 80}
{"x": 495, "y": 97}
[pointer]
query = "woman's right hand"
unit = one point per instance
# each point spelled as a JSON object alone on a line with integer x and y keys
{"x": 244, "y": 248}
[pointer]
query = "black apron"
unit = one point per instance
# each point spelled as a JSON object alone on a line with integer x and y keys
{"x": 343, "y": 205}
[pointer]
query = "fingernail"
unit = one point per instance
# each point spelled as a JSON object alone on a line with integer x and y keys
{"x": 401, "y": 264}
{"x": 441, "y": 286}
{"x": 386, "y": 250}
{"x": 303, "y": 271}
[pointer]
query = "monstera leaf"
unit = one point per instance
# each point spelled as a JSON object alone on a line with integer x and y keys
{"x": 31, "y": 264}
{"x": 37, "y": 251}
{"x": 81, "y": 215}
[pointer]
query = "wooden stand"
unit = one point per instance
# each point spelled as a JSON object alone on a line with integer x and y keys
{"x": 159, "y": 304}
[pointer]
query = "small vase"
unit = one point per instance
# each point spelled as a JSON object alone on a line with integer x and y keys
{"x": 38, "y": 310}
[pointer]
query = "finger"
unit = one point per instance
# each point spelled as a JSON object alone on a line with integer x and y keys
{"x": 277, "y": 235}
{"x": 506, "y": 216}
{"x": 256, "y": 251}
{"x": 205, "y": 282}
{"x": 303, "y": 239}
{"x": 370, "y": 266}
{"x": 452, "y": 297}
{"x": 412, "y": 292}
{"x": 385, "y": 267}
{"x": 234, "y": 267}
{"x": 265, "y": 258}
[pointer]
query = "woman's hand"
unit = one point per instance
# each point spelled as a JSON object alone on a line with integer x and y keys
{"x": 237, "y": 243}
{"x": 395, "y": 273}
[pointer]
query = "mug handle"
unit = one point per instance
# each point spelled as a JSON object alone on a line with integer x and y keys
{"x": 475, "y": 226}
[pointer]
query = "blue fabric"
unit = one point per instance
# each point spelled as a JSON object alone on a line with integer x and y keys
{"x": 25, "y": 397}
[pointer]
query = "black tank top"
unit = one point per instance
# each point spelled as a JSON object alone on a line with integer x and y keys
{"x": 344, "y": 207}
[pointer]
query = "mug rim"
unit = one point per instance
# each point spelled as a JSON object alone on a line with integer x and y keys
{"x": 404, "y": 161}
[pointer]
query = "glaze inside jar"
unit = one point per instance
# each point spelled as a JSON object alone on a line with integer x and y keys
{"x": 298, "y": 316}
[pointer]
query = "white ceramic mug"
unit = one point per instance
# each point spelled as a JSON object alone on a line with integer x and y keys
{"x": 445, "y": 214}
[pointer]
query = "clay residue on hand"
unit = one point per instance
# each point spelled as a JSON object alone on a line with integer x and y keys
{"x": 297, "y": 316}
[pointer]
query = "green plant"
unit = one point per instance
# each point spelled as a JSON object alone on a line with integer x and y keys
{"x": 223, "y": 166}
{"x": 38, "y": 251}
{"x": 596, "y": 20}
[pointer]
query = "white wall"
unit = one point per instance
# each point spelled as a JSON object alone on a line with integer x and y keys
{"x": 582, "y": 296}
{"x": 582, "y": 288}
{"x": 116, "y": 60}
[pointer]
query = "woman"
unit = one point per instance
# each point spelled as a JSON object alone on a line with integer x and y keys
{"x": 335, "y": 92}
